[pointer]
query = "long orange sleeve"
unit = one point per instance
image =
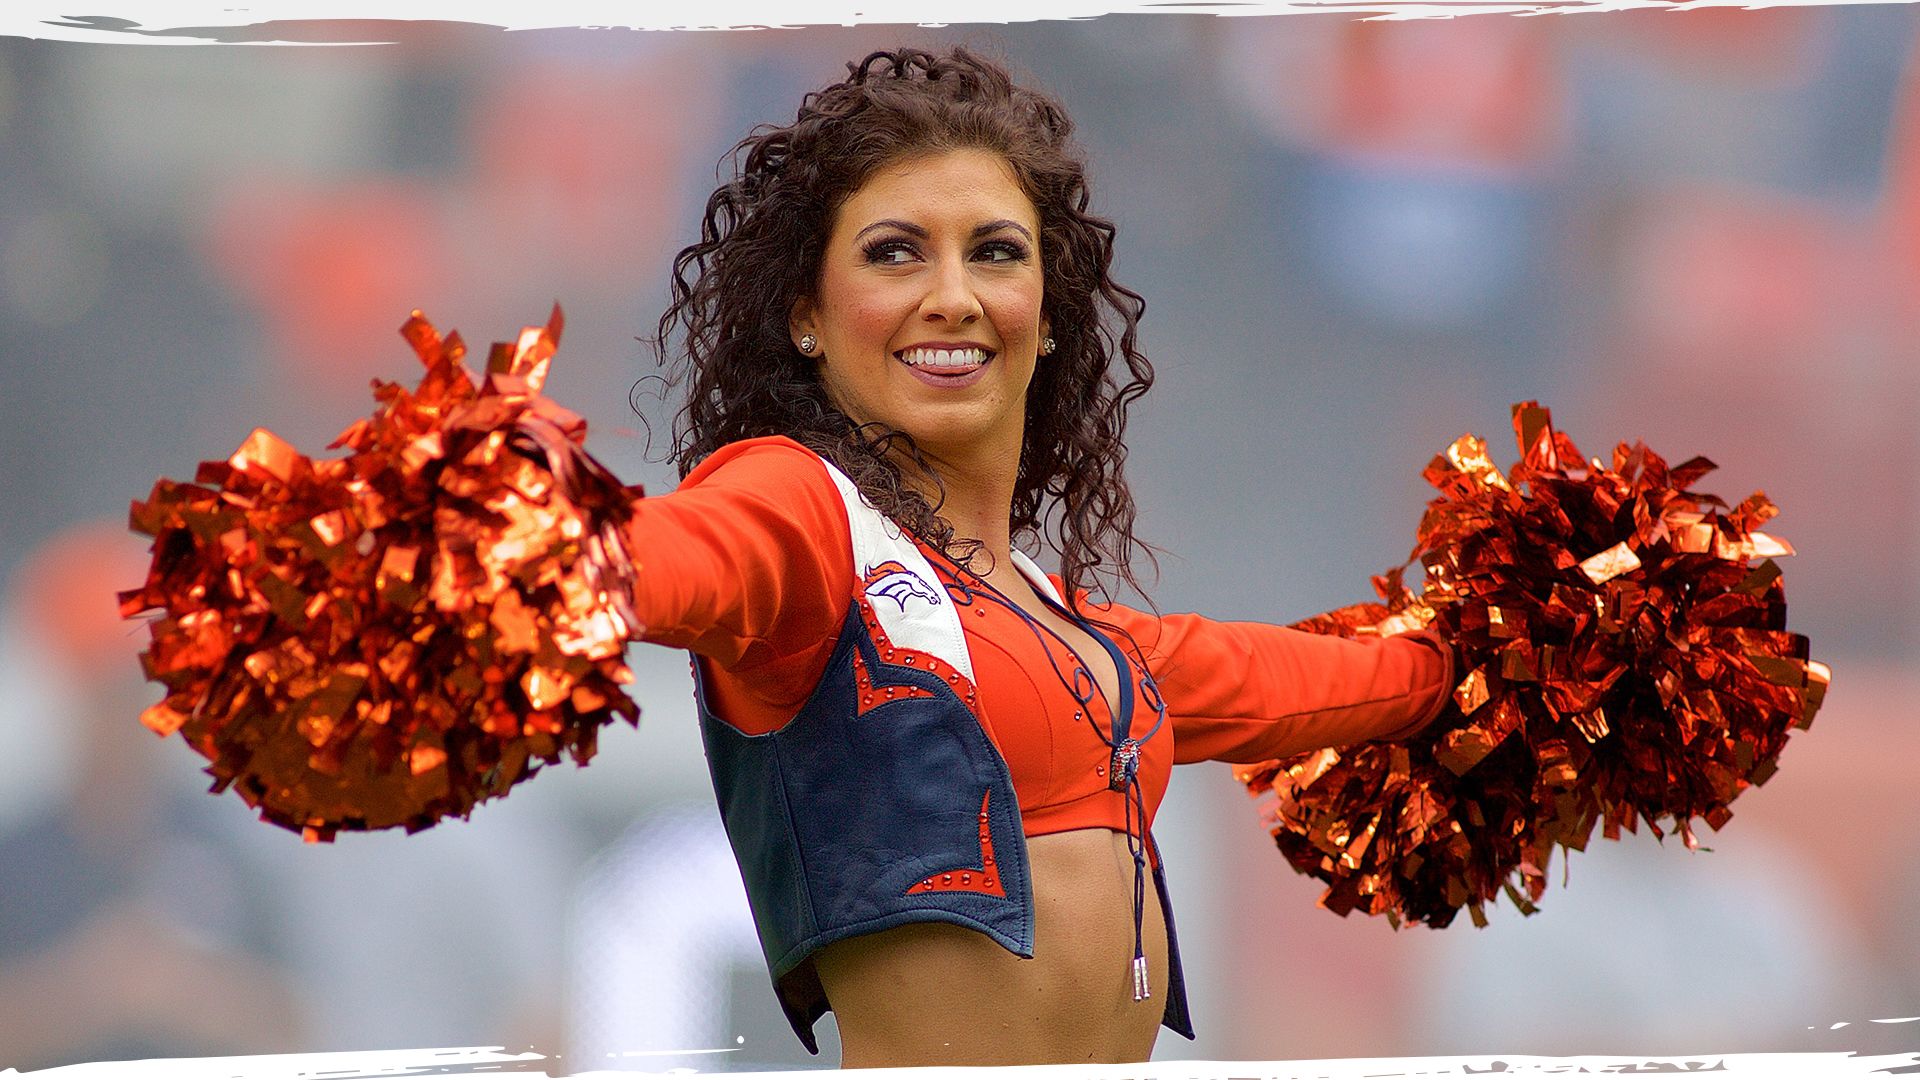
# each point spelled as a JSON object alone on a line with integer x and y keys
{"x": 746, "y": 565}
{"x": 1242, "y": 691}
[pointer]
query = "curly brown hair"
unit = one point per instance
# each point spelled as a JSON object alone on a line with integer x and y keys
{"x": 760, "y": 249}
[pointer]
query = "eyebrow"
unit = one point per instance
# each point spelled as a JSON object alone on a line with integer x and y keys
{"x": 911, "y": 229}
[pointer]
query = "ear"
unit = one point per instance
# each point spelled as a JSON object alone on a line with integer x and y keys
{"x": 801, "y": 320}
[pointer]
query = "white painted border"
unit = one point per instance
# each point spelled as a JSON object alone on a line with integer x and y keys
{"x": 366, "y": 22}
{"x": 209, "y": 21}
{"x": 491, "y": 1061}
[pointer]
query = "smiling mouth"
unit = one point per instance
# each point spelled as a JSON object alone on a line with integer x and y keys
{"x": 945, "y": 362}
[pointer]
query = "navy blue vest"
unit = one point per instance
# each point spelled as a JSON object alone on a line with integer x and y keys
{"x": 883, "y": 802}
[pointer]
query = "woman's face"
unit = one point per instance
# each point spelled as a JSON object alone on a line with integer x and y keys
{"x": 927, "y": 311}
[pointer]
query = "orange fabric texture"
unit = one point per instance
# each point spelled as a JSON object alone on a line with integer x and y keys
{"x": 749, "y": 565}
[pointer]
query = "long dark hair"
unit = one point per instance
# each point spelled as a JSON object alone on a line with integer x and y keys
{"x": 760, "y": 247}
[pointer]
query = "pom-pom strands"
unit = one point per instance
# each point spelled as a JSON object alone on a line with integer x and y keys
{"x": 1625, "y": 657}
{"x": 390, "y": 637}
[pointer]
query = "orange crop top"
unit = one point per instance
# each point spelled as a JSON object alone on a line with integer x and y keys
{"x": 748, "y": 564}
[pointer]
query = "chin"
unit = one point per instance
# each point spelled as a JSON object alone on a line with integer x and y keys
{"x": 952, "y": 436}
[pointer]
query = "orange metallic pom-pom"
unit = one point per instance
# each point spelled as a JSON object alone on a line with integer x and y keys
{"x": 1623, "y": 646}
{"x": 388, "y": 638}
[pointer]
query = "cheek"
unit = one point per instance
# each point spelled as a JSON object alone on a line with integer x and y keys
{"x": 1018, "y": 307}
{"x": 862, "y": 317}
{"x": 873, "y": 323}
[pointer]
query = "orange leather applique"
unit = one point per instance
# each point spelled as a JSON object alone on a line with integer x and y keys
{"x": 984, "y": 878}
{"x": 872, "y": 697}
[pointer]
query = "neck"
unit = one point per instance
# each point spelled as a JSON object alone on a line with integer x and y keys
{"x": 975, "y": 496}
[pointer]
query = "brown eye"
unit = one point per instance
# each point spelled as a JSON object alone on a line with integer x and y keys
{"x": 1001, "y": 251}
{"x": 889, "y": 252}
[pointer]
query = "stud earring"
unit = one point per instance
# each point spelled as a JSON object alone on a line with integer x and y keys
{"x": 808, "y": 343}
{"x": 1046, "y": 346}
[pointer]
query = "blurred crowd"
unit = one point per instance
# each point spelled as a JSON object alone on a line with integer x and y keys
{"x": 1357, "y": 240}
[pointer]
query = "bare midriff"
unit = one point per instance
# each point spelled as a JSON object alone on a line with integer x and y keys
{"x": 940, "y": 994}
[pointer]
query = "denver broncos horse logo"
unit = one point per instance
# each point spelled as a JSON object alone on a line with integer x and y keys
{"x": 897, "y": 583}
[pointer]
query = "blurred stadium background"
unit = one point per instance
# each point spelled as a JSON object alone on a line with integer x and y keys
{"x": 1357, "y": 241}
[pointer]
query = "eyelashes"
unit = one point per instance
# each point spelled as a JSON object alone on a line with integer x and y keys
{"x": 1012, "y": 249}
{"x": 881, "y": 252}
{"x": 897, "y": 252}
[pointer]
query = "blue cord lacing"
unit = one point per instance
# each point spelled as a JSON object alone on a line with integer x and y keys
{"x": 1123, "y": 771}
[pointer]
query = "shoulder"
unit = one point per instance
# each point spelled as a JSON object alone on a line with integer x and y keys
{"x": 767, "y": 456}
{"x": 1139, "y": 629}
{"x": 774, "y": 481}
{"x": 775, "y": 468}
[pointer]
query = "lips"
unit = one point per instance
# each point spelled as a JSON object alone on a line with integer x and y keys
{"x": 944, "y": 359}
{"x": 950, "y": 367}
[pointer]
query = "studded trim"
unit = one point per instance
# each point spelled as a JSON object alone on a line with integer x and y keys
{"x": 873, "y": 695}
{"x": 984, "y": 878}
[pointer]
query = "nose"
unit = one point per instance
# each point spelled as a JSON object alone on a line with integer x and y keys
{"x": 950, "y": 296}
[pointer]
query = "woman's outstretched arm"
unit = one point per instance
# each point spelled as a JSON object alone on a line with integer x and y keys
{"x": 1245, "y": 691}
{"x": 747, "y": 565}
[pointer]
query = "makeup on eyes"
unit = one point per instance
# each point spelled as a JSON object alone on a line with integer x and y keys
{"x": 877, "y": 249}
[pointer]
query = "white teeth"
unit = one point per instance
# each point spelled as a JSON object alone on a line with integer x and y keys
{"x": 951, "y": 358}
